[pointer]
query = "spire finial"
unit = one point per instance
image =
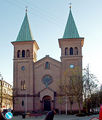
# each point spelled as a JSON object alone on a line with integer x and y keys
{"x": 70, "y": 5}
{"x": 26, "y": 8}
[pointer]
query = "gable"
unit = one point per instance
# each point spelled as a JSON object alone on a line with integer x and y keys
{"x": 52, "y": 62}
{"x": 41, "y": 74}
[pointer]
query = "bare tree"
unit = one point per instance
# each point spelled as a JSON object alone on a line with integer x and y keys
{"x": 72, "y": 88}
{"x": 89, "y": 86}
{"x": 76, "y": 84}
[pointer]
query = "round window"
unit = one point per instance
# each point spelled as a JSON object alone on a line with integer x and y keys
{"x": 47, "y": 80}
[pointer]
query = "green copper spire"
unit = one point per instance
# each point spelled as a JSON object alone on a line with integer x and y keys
{"x": 25, "y": 31}
{"x": 71, "y": 29}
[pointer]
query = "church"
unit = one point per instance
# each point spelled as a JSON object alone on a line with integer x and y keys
{"x": 36, "y": 82}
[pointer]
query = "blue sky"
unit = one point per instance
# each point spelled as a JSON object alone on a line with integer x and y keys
{"x": 47, "y": 19}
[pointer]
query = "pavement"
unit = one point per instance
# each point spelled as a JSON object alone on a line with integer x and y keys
{"x": 57, "y": 117}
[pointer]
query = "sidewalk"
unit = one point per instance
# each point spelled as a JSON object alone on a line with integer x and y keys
{"x": 57, "y": 117}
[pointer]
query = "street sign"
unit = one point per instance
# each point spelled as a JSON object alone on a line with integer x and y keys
{"x": 8, "y": 115}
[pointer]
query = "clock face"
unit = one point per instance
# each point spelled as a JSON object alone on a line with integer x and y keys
{"x": 23, "y": 68}
{"x": 71, "y": 66}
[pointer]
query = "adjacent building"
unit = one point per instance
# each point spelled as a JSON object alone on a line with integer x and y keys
{"x": 6, "y": 95}
{"x": 36, "y": 82}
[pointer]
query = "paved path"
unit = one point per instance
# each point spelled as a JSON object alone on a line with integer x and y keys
{"x": 57, "y": 117}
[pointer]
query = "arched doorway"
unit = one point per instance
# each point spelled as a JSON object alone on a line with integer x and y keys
{"x": 47, "y": 103}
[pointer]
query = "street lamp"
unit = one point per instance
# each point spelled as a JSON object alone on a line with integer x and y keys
{"x": 66, "y": 104}
{"x": 26, "y": 102}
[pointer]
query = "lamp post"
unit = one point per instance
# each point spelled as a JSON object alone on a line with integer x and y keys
{"x": 86, "y": 70}
{"x": 26, "y": 102}
{"x": 25, "y": 88}
{"x": 66, "y": 104}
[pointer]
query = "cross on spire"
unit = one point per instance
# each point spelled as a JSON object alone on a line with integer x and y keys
{"x": 71, "y": 29}
{"x": 25, "y": 34}
{"x": 26, "y": 9}
{"x": 70, "y": 5}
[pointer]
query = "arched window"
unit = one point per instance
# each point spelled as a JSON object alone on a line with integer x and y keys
{"x": 71, "y": 51}
{"x": 47, "y": 65}
{"x": 75, "y": 51}
{"x": 18, "y": 54}
{"x": 28, "y": 53}
{"x": 23, "y": 53}
{"x": 66, "y": 51}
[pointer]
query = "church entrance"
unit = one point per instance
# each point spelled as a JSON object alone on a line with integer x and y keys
{"x": 47, "y": 103}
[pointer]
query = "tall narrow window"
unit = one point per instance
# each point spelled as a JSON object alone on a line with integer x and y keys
{"x": 22, "y": 103}
{"x": 47, "y": 65}
{"x": 75, "y": 51}
{"x": 23, "y": 53}
{"x": 66, "y": 51}
{"x": 28, "y": 53}
{"x": 18, "y": 54}
{"x": 71, "y": 51}
{"x": 23, "y": 86}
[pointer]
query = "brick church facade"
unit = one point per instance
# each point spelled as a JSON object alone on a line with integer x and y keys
{"x": 35, "y": 82}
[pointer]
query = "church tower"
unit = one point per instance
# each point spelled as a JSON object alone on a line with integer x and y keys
{"x": 25, "y": 54}
{"x": 71, "y": 48}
